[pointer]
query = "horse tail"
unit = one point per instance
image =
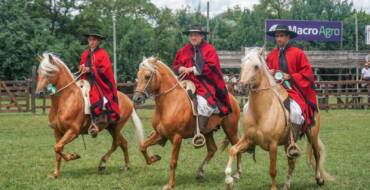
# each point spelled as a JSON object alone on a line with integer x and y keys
{"x": 311, "y": 160}
{"x": 138, "y": 127}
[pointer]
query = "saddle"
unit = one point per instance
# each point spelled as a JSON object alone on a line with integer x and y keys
{"x": 189, "y": 87}
{"x": 84, "y": 86}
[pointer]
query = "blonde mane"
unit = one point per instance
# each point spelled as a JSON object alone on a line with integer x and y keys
{"x": 152, "y": 64}
{"x": 255, "y": 56}
{"x": 49, "y": 69}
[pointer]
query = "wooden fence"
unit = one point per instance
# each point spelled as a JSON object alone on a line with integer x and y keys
{"x": 350, "y": 94}
{"x": 14, "y": 96}
{"x": 18, "y": 96}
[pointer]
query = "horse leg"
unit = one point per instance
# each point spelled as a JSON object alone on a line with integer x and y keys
{"x": 58, "y": 148}
{"x": 58, "y": 157}
{"x": 231, "y": 131}
{"x": 211, "y": 150}
{"x": 291, "y": 164}
{"x": 317, "y": 148}
{"x": 115, "y": 142}
{"x": 155, "y": 138}
{"x": 234, "y": 150}
{"x": 176, "y": 142}
{"x": 124, "y": 147}
{"x": 273, "y": 156}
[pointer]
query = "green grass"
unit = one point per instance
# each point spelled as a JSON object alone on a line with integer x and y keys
{"x": 27, "y": 156}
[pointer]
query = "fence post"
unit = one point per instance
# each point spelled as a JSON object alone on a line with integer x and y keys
{"x": 33, "y": 90}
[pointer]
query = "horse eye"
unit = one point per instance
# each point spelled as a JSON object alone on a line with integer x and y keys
{"x": 256, "y": 67}
{"x": 147, "y": 77}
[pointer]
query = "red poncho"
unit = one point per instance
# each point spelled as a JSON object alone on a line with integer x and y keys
{"x": 302, "y": 80}
{"x": 102, "y": 83}
{"x": 210, "y": 83}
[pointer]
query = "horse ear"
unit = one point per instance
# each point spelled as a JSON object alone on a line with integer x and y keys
{"x": 51, "y": 60}
{"x": 39, "y": 58}
{"x": 262, "y": 50}
{"x": 144, "y": 58}
{"x": 156, "y": 59}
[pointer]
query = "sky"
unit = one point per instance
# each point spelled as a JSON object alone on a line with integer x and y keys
{"x": 218, "y": 6}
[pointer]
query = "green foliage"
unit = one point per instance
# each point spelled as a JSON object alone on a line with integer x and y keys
{"x": 28, "y": 28}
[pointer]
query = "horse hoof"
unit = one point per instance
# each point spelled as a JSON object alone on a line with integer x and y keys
{"x": 320, "y": 182}
{"x": 286, "y": 187}
{"x": 72, "y": 156}
{"x": 166, "y": 187}
{"x": 101, "y": 167}
{"x": 236, "y": 176}
{"x": 229, "y": 182}
{"x": 200, "y": 175}
{"x": 154, "y": 159}
{"x": 125, "y": 168}
{"x": 52, "y": 176}
{"x": 229, "y": 186}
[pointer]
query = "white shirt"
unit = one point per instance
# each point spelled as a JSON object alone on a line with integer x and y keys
{"x": 365, "y": 73}
{"x": 367, "y": 58}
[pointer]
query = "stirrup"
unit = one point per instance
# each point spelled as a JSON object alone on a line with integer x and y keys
{"x": 93, "y": 130}
{"x": 198, "y": 140}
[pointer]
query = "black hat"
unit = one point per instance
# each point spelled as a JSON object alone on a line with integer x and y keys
{"x": 95, "y": 33}
{"x": 281, "y": 28}
{"x": 196, "y": 29}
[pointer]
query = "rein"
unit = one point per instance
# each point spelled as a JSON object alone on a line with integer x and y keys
{"x": 256, "y": 90}
{"x": 144, "y": 91}
{"x": 73, "y": 81}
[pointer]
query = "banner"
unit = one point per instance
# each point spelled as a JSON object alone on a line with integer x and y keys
{"x": 322, "y": 31}
{"x": 367, "y": 32}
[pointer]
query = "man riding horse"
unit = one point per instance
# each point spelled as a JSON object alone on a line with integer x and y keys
{"x": 95, "y": 62}
{"x": 199, "y": 61}
{"x": 296, "y": 69}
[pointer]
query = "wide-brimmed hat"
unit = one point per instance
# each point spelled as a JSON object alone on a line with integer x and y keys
{"x": 195, "y": 29}
{"x": 281, "y": 28}
{"x": 95, "y": 33}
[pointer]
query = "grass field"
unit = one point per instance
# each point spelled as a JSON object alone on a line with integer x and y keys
{"x": 27, "y": 156}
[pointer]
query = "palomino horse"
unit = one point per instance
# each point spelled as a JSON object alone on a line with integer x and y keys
{"x": 265, "y": 122}
{"x": 67, "y": 117}
{"x": 173, "y": 117}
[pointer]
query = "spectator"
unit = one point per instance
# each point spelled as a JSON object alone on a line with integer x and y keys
{"x": 367, "y": 58}
{"x": 365, "y": 72}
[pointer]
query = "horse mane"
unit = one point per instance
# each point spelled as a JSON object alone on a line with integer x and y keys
{"x": 49, "y": 69}
{"x": 153, "y": 63}
{"x": 256, "y": 57}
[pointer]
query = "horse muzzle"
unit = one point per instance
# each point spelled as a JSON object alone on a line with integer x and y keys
{"x": 139, "y": 98}
{"x": 42, "y": 93}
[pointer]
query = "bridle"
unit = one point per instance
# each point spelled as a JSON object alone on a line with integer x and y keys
{"x": 69, "y": 84}
{"x": 152, "y": 74}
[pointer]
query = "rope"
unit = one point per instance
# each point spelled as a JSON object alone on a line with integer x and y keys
{"x": 73, "y": 81}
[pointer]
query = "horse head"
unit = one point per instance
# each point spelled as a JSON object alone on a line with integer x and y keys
{"x": 254, "y": 68}
{"x": 148, "y": 79}
{"x": 48, "y": 72}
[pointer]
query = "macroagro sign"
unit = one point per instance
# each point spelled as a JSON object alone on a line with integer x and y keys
{"x": 309, "y": 30}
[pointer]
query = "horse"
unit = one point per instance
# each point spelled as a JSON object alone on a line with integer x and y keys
{"x": 67, "y": 117}
{"x": 265, "y": 123}
{"x": 173, "y": 117}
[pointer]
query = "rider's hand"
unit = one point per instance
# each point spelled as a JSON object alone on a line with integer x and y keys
{"x": 84, "y": 69}
{"x": 185, "y": 70}
{"x": 286, "y": 76}
{"x": 272, "y": 71}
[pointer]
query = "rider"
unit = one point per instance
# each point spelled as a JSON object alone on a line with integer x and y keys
{"x": 297, "y": 71}
{"x": 199, "y": 60}
{"x": 96, "y": 64}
